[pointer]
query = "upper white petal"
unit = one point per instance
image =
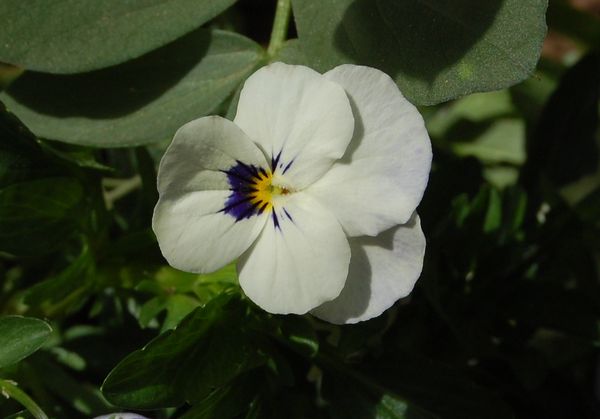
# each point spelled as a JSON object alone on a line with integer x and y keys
{"x": 298, "y": 112}
{"x": 193, "y": 233}
{"x": 382, "y": 177}
{"x": 301, "y": 264}
{"x": 383, "y": 269}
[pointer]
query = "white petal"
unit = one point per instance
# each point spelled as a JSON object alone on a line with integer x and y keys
{"x": 298, "y": 112}
{"x": 382, "y": 177}
{"x": 301, "y": 264}
{"x": 200, "y": 151}
{"x": 383, "y": 269}
{"x": 193, "y": 231}
{"x": 194, "y": 236}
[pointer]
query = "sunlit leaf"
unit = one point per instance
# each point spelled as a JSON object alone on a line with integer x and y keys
{"x": 436, "y": 50}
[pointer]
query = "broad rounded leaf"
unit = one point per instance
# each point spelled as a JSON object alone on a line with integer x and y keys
{"x": 50, "y": 36}
{"x": 139, "y": 102}
{"x": 20, "y": 337}
{"x": 435, "y": 50}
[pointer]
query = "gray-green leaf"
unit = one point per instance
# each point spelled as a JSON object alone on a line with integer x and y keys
{"x": 20, "y": 337}
{"x": 72, "y": 36}
{"x": 140, "y": 102}
{"x": 436, "y": 50}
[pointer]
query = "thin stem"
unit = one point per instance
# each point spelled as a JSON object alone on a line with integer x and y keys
{"x": 9, "y": 389}
{"x": 280, "y": 26}
{"x": 121, "y": 188}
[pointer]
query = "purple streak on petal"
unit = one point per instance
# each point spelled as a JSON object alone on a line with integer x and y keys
{"x": 288, "y": 215}
{"x": 275, "y": 220}
{"x": 286, "y": 168}
{"x": 275, "y": 161}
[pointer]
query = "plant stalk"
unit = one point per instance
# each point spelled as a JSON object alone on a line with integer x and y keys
{"x": 11, "y": 390}
{"x": 280, "y": 26}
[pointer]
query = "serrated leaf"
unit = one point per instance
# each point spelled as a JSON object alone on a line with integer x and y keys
{"x": 57, "y": 36}
{"x": 436, "y": 50}
{"x": 20, "y": 337}
{"x": 143, "y": 101}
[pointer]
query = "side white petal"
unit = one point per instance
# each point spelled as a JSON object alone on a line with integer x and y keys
{"x": 382, "y": 177}
{"x": 383, "y": 269}
{"x": 193, "y": 232}
{"x": 200, "y": 151}
{"x": 297, "y": 112}
{"x": 301, "y": 264}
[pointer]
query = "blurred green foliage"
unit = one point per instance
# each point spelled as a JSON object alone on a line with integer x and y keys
{"x": 504, "y": 322}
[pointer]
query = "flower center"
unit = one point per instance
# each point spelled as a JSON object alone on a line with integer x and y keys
{"x": 253, "y": 190}
{"x": 264, "y": 190}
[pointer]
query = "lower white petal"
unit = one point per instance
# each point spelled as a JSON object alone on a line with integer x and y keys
{"x": 381, "y": 178}
{"x": 383, "y": 269}
{"x": 299, "y": 261}
{"x": 196, "y": 235}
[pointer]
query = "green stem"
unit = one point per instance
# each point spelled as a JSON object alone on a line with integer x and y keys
{"x": 121, "y": 187}
{"x": 280, "y": 26}
{"x": 9, "y": 389}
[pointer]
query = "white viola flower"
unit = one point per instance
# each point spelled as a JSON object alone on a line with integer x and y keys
{"x": 313, "y": 186}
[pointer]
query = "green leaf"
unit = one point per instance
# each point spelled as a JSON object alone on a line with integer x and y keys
{"x": 477, "y": 108}
{"x": 66, "y": 289}
{"x": 20, "y": 337}
{"x": 503, "y": 142}
{"x": 37, "y": 216}
{"x": 207, "y": 351}
{"x": 57, "y": 36}
{"x": 143, "y": 101}
{"x": 436, "y": 50}
{"x": 21, "y": 157}
{"x": 176, "y": 306}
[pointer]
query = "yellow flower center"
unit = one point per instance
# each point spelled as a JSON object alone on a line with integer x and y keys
{"x": 263, "y": 190}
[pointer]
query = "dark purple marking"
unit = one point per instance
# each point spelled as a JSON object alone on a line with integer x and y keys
{"x": 275, "y": 220}
{"x": 287, "y": 167}
{"x": 275, "y": 161}
{"x": 288, "y": 215}
{"x": 242, "y": 182}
